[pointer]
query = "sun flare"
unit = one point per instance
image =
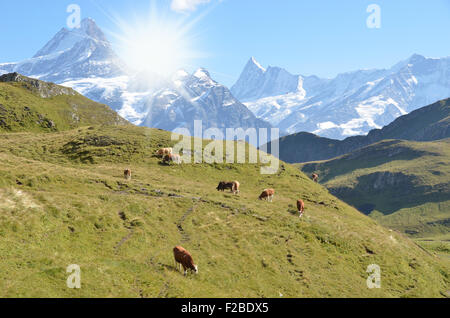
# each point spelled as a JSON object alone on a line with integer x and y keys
{"x": 158, "y": 43}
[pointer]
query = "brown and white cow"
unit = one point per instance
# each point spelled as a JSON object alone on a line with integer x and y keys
{"x": 267, "y": 194}
{"x": 184, "y": 258}
{"x": 231, "y": 185}
{"x": 301, "y": 207}
{"x": 172, "y": 158}
{"x": 315, "y": 177}
{"x": 164, "y": 152}
{"x": 127, "y": 174}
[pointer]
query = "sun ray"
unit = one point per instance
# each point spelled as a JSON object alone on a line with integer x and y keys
{"x": 158, "y": 41}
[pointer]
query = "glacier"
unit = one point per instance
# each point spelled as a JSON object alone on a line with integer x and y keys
{"x": 352, "y": 103}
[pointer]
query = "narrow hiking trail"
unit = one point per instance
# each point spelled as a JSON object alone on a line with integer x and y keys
{"x": 184, "y": 238}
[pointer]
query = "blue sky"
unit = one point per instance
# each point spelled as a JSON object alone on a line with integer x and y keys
{"x": 321, "y": 37}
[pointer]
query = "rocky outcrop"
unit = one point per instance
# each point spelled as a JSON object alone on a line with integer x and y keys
{"x": 43, "y": 89}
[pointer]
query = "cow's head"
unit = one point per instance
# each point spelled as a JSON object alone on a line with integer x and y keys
{"x": 196, "y": 269}
{"x": 220, "y": 186}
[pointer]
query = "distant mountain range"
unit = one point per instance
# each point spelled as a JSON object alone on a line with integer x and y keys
{"x": 425, "y": 124}
{"x": 350, "y": 104}
{"x": 84, "y": 60}
{"x": 398, "y": 175}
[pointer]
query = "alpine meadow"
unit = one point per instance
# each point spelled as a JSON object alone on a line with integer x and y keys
{"x": 215, "y": 157}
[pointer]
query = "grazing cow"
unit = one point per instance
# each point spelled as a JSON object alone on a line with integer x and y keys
{"x": 127, "y": 174}
{"x": 174, "y": 158}
{"x": 301, "y": 207}
{"x": 232, "y": 185}
{"x": 315, "y": 177}
{"x": 184, "y": 258}
{"x": 164, "y": 152}
{"x": 235, "y": 188}
{"x": 267, "y": 195}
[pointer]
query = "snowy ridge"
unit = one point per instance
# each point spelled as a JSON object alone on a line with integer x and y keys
{"x": 353, "y": 103}
{"x": 84, "y": 60}
{"x": 257, "y": 82}
{"x": 72, "y": 54}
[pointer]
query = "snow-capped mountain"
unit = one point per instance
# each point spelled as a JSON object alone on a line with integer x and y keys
{"x": 72, "y": 54}
{"x": 257, "y": 82}
{"x": 352, "y": 103}
{"x": 197, "y": 96}
{"x": 84, "y": 60}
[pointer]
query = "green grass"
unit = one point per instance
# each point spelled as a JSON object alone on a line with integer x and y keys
{"x": 63, "y": 200}
{"x": 438, "y": 244}
{"x": 23, "y": 109}
{"x": 402, "y": 184}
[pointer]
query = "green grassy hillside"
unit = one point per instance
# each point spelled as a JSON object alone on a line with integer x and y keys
{"x": 403, "y": 184}
{"x": 27, "y": 104}
{"x": 63, "y": 200}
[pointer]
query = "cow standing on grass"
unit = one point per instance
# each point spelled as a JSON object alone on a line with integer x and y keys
{"x": 300, "y": 207}
{"x": 232, "y": 185}
{"x": 164, "y": 152}
{"x": 127, "y": 174}
{"x": 267, "y": 194}
{"x": 172, "y": 158}
{"x": 184, "y": 258}
{"x": 315, "y": 177}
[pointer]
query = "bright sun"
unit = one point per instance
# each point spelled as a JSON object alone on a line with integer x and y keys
{"x": 159, "y": 43}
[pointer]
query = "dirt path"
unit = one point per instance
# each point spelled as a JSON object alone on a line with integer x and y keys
{"x": 184, "y": 236}
{"x": 123, "y": 241}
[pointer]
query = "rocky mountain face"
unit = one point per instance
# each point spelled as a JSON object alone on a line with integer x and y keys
{"x": 197, "y": 96}
{"x": 425, "y": 124}
{"x": 257, "y": 82}
{"x": 351, "y": 104}
{"x": 84, "y": 60}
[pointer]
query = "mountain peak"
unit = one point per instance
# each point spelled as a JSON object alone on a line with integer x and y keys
{"x": 413, "y": 59}
{"x": 257, "y": 82}
{"x": 202, "y": 73}
{"x": 416, "y": 58}
{"x": 253, "y": 62}
{"x": 90, "y": 28}
{"x": 66, "y": 39}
